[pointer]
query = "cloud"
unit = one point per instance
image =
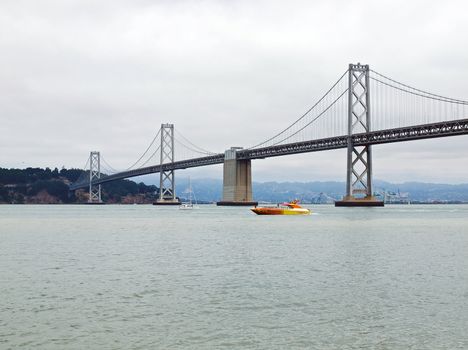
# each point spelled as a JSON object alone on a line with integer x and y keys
{"x": 85, "y": 75}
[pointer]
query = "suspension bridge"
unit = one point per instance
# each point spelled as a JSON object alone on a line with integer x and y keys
{"x": 361, "y": 109}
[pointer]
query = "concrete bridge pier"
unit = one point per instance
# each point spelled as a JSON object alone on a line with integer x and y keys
{"x": 237, "y": 180}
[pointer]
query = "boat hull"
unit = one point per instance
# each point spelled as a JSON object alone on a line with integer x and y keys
{"x": 280, "y": 211}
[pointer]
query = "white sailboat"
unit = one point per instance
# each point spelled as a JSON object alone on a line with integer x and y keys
{"x": 189, "y": 205}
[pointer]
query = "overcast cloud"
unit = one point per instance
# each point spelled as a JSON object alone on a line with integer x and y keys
{"x": 88, "y": 75}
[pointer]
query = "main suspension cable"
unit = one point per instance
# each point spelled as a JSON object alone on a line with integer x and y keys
{"x": 108, "y": 165}
{"x": 439, "y": 97}
{"x": 313, "y": 120}
{"x": 304, "y": 115}
{"x": 146, "y": 151}
{"x": 423, "y": 94}
{"x": 201, "y": 150}
{"x": 157, "y": 149}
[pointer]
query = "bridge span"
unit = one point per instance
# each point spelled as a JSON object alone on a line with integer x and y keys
{"x": 355, "y": 135}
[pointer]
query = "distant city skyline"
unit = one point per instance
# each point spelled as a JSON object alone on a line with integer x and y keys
{"x": 82, "y": 75}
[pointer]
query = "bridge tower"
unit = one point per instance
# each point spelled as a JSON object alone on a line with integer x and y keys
{"x": 237, "y": 180}
{"x": 167, "y": 194}
{"x": 94, "y": 174}
{"x": 359, "y": 160}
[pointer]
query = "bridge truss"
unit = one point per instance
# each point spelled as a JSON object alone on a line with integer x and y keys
{"x": 411, "y": 133}
{"x": 341, "y": 118}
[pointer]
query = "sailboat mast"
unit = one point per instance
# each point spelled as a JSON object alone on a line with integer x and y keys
{"x": 190, "y": 190}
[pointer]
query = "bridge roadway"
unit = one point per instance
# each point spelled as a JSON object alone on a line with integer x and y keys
{"x": 417, "y": 132}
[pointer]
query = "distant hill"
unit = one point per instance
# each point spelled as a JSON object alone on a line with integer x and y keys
{"x": 36, "y": 185}
{"x": 324, "y": 191}
{"x": 47, "y": 186}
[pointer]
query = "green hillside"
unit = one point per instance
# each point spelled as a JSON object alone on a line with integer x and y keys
{"x": 46, "y": 186}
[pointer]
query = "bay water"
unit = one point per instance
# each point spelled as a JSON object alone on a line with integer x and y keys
{"x": 150, "y": 277}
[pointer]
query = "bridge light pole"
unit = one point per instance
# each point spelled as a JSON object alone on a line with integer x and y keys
{"x": 167, "y": 194}
{"x": 359, "y": 158}
{"x": 94, "y": 174}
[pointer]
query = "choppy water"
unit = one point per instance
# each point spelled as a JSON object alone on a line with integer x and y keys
{"x": 145, "y": 277}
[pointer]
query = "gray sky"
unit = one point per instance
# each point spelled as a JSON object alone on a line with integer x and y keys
{"x": 103, "y": 75}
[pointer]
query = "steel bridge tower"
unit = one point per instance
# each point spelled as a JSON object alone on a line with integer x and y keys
{"x": 166, "y": 176}
{"x": 359, "y": 160}
{"x": 94, "y": 174}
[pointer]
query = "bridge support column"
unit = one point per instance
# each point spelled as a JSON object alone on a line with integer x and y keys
{"x": 94, "y": 174}
{"x": 237, "y": 180}
{"x": 359, "y": 161}
{"x": 167, "y": 194}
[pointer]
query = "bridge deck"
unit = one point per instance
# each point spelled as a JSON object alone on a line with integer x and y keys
{"x": 417, "y": 132}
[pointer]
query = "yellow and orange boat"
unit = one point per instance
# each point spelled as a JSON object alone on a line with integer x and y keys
{"x": 291, "y": 208}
